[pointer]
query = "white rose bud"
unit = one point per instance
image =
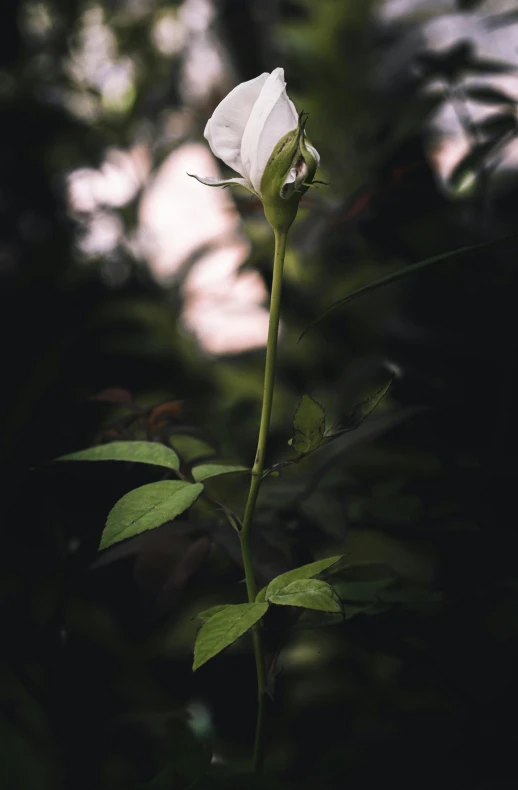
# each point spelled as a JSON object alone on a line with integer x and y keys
{"x": 256, "y": 131}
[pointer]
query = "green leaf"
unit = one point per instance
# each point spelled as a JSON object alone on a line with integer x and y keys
{"x": 190, "y": 447}
{"x": 204, "y": 471}
{"x": 308, "y": 593}
{"x": 137, "y": 452}
{"x": 402, "y": 274}
{"x": 208, "y": 613}
{"x": 304, "y": 572}
{"x": 148, "y": 507}
{"x": 309, "y": 425}
{"x": 362, "y": 410}
{"x": 224, "y": 628}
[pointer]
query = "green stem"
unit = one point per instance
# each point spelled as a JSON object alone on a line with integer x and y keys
{"x": 257, "y": 472}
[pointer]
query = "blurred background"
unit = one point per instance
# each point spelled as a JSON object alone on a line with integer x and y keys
{"x": 134, "y": 305}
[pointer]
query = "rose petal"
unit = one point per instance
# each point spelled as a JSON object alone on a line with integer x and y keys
{"x": 295, "y": 178}
{"x": 273, "y": 115}
{"x": 224, "y": 131}
{"x": 313, "y": 151}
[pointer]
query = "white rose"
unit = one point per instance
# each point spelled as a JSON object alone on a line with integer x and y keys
{"x": 245, "y": 130}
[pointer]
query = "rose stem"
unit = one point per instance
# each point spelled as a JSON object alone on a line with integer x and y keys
{"x": 257, "y": 472}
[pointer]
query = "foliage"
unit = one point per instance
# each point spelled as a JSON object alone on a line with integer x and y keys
{"x": 403, "y": 465}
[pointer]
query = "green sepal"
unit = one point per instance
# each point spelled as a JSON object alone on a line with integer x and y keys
{"x": 290, "y": 151}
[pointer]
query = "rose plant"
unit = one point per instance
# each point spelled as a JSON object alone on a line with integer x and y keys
{"x": 257, "y": 132}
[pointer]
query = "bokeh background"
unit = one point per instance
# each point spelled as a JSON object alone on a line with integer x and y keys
{"x": 134, "y": 304}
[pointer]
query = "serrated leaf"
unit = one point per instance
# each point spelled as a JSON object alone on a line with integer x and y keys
{"x": 309, "y": 425}
{"x": 137, "y": 452}
{"x": 309, "y": 594}
{"x": 148, "y": 507}
{"x": 224, "y": 628}
{"x": 208, "y": 613}
{"x": 204, "y": 471}
{"x": 304, "y": 572}
{"x": 400, "y": 275}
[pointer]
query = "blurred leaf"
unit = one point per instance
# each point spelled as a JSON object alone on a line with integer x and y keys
{"x": 223, "y": 628}
{"x": 112, "y": 395}
{"x": 251, "y": 782}
{"x": 191, "y": 757}
{"x": 137, "y": 452}
{"x": 304, "y": 572}
{"x": 188, "y": 757}
{"x": 498, "y": 125}
{"x": 411, "y": 560}
{"x": 446, "y": 63}
{"x": 367, "y": 591}
{"x": 467, "y": 5}
{"x": 351, "y": 610}
{"x": 482, "y": 66}
{"x": 411, "y": 596}
{"x": 495, "y": 21}
{"x": 148, "y": 507}
{"x": 395, "y": 507}
{"x": 486, "y": 94}
{"x": 309, "y": 425}
{"x": 165, "y": 779}
{"x": 403, "y": 273}
{"x": 474, "y": 161}
{"x": 166, "y": 412}
{"x": 190, "y": 447}
{"x": 204, "y": 471}
{"x": 308, "y": 593}
{"x": 326, "y": 510}
{"x": 452, "y": 63}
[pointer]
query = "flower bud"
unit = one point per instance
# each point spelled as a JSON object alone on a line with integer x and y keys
{"x": 256, "y": 131}
{"x": 287, "y": 175}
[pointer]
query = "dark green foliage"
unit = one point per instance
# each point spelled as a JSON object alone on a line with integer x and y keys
{"x": 412, "y": 485}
